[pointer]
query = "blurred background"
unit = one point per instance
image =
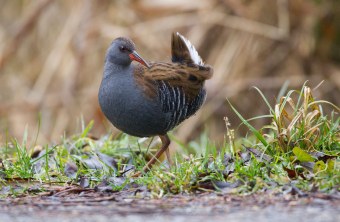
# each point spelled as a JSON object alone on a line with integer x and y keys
{"x": 52, "y": 54}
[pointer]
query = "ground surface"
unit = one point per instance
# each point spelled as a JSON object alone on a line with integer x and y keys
{"x": 77, "y": 204}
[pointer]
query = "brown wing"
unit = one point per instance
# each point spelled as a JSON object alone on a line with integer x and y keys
{"x": 189, "y": 78}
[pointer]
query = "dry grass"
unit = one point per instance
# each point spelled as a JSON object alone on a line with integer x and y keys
{"x": 51, "y": 55}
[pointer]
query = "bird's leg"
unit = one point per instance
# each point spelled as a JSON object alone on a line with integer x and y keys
{"x": 165, "y": 144}
{"x": 167, "y": 152}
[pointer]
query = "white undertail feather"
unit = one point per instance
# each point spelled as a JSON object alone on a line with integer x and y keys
{"x": 193, "y": 53}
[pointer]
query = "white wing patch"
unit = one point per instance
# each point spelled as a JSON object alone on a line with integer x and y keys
{"x": 193, "y": 53}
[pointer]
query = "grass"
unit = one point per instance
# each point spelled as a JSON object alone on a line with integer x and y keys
{"x": 300, "y": 148}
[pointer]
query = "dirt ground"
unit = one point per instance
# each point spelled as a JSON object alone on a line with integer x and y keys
{"x": 76, "y": 204}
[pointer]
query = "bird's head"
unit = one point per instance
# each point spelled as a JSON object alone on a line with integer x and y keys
{"x": 122, "y": 52}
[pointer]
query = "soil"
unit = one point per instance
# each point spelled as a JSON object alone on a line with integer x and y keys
{"x": 78, "y": 204}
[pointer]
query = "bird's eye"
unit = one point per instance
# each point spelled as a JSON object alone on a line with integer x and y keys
{"x": 123, "y": 48}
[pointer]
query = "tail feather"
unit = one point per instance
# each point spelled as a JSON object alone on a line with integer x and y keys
{"x": 183, "y": 51}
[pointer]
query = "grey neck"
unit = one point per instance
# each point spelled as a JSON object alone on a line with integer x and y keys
{"x": 111, "y": 69}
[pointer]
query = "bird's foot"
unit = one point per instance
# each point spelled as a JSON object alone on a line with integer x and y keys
{"x": 137, "y": 174}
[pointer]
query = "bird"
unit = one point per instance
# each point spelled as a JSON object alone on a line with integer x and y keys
{"x": 146, "y": 99}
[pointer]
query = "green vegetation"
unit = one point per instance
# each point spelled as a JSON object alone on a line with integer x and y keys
{"x": 300, "y": 148}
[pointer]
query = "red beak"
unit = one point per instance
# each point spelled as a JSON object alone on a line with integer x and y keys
{"x": 134, "y": 56}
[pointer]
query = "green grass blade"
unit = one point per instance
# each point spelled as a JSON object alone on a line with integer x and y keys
{"x": 264, "y": 99}
{"x": 87, "y": 129}
{"x": 260, "y": 117}
{"x": 282, "y": 91}
{"x": 245, "y": 122}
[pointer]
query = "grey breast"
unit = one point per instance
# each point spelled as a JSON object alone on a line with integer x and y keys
{"x": 127, "y": 108}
